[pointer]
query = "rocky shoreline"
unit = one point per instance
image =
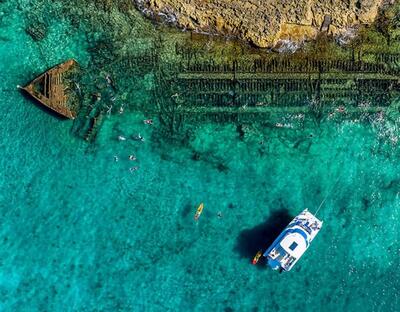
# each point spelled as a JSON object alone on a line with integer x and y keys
{"x": 264, "y": 23}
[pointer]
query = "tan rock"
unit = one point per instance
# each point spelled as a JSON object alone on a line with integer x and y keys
{"x": 296, "y": 32}
{"x": 263, "y": 22}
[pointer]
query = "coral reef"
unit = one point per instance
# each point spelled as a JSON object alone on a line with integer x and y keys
{"x": 184, "y": 79}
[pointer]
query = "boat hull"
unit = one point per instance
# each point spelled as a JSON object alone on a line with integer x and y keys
{"x": 51, "y": 89}
{"x": 292, "y": 243}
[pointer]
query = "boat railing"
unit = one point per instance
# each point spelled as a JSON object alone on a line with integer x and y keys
{"x": 303, "y": 224}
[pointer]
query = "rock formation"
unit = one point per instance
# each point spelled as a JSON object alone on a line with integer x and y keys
{"x": 263, "y": 22}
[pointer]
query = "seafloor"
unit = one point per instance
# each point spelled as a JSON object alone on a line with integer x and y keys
{"x": 80, "y": 231}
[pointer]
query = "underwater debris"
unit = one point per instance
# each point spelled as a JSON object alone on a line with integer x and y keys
{"x": 37, "y": 31}
{"x": 52, "y": 89}
{"x": 93, "y": 126}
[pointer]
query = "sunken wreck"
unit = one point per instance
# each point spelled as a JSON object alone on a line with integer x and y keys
{"x": 54, "y": 89}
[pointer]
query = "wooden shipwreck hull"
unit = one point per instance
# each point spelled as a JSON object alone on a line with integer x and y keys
{"x": 54, "y": 89}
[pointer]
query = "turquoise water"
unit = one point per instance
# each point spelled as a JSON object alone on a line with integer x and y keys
{"x": 81, "y": 232}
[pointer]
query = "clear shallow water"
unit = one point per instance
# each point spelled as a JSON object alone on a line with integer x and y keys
{"x": 80, "y": 232}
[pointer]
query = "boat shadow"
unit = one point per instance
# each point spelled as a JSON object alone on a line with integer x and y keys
{"x": 260, "y": 237}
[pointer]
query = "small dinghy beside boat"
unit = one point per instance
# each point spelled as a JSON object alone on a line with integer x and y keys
{"x": 294, "y": 240}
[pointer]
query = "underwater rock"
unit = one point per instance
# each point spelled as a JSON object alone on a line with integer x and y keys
{"x": 263, "y": 22}
{"x": 37, "y": 31}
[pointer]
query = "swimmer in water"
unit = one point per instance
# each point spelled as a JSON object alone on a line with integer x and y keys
{"x": 341, "y": 109}
{"x": 121, "y": 138}
{"x": 132, "y": 169}
{"x": 138, "y": 138}
{"x": 109, "y": 80}
{"x": 132, "y": 157}
{"x": 148, "y": 122}
{"x": 116, "y": 158}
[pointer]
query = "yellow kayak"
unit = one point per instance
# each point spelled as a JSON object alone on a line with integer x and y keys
{"x": 257, "y": 257}
{"x": 199, "y": 211}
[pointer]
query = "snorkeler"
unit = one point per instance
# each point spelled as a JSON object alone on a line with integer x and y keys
{"x": 121, "y": 138}
{"x": 148, "y": 121}
{"x": 109, "y": 80}
{"x": 132, "y": 169}
{"x": 132, "y": 157}
{"x": 341, "y": 109}
{"x": 138, "y": 138}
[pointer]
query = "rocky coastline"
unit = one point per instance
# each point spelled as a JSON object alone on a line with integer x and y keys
{"x": 265, "y": 23}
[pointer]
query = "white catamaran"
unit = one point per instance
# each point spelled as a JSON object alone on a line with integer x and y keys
{"x": 294, "y": 240}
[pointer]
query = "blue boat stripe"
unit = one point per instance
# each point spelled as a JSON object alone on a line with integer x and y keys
{"x": 301, "y": 232}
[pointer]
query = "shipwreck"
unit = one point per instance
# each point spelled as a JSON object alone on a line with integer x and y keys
{"x": 56, "y": 89}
